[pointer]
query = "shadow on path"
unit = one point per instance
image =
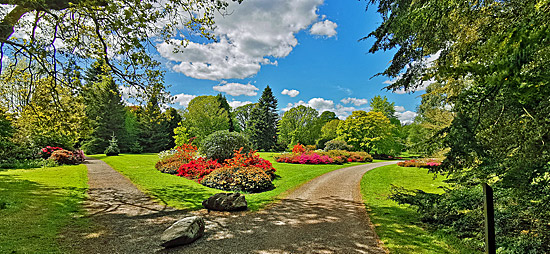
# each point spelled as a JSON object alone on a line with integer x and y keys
{"x": 130, "y": 222}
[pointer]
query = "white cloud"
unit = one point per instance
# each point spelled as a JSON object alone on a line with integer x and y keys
{"x": 345, "y": 90}
{"x": 236, "y": 89}
{"x": 236, "y": 104}
{"x": 324, "y": 28}
{"x": 399, "y": 108}
{"x": 183, "y": 99}
{"x": 292, "y": 93}
{"x": 355, "y": 101}
{"x": 321, "y": 104}
{"x": 252, "y": 35}
{"x": 406, "y": 117}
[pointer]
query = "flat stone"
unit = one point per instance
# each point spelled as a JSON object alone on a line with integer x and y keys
{"x": 182, "y": 232}
{"x": 225, "y": 202}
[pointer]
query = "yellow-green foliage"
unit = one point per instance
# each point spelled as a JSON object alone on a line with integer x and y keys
{"x": 363, "y": 129}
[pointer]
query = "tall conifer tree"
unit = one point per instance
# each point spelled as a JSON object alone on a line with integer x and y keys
{"x": 262, "y": 126}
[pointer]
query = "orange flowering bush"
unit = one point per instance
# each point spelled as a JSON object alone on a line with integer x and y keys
{"x": 298, "y": 149}
{"x": 250, "y": 159}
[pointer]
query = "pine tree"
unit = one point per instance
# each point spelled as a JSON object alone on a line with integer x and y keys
{"x": 154, "y": 136}
{"x": 104, "y": 109}
{"x": 262, "y": 126}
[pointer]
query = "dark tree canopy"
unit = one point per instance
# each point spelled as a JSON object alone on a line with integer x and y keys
{"x": 491, "y": 69}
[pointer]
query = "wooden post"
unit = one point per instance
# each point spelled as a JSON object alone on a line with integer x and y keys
{"x": 489, "y": 210}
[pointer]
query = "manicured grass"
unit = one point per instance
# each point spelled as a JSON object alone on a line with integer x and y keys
{"x": 36, "y": 205}
{"x": 398, "y": 226}
{"x": 186, "y": 194}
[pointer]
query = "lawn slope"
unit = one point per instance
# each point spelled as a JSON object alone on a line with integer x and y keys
{"x": 36, "y": 205}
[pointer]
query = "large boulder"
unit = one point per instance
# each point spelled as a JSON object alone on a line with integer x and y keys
{"x": 225, "y": 202}
{"x": 184, "y": 231}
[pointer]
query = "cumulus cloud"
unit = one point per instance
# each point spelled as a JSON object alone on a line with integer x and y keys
{"x": 251, "y": 36}
{"x": 321, "y": 104}
{"x": 292, "y": 93}
{"x": 183, "y": 99}
{"x": 355, "y": 101}
{"x": 235, "y": 104}
{"x": 236, "y": 89}
{"x": 406, "y": 117}
{"x": 399, "y": 108}
{"x": 324, "y": 28}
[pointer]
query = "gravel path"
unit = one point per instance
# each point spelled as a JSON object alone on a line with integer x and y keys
{"x": 325, "y": 215}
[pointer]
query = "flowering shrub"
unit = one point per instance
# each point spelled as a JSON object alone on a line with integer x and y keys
{"x": 250, "y": 159}
{"x": 170, "y": 161}
{"x": 47, "y": 151}
{"x": 66, "y": 157}
{"x": 198, "y": 169}
{"x": 246, "y": 179}
{"x": 422, "y": 163}
{"x": 330, "y": 157}
{"x": 298, "y": 149}
{"x": 337, "y": 145}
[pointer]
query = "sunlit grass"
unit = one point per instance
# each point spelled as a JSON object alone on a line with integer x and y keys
{"x": 36, "y": 205}
{"x": 186, "y": 194}
{"x": 398, "y": 226}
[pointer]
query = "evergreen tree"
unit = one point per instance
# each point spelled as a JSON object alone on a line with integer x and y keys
{"x": 154, "y": 136}
{"x": 104, "y": 109}
{"x": 262, "y": 126}
{"x": 171, "y": 120}
{"x": 225, "y": 105}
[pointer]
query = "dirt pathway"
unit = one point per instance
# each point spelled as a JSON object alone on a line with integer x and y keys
{"x": 325, "y": 215}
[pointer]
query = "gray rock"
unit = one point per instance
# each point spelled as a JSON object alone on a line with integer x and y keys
{"x": 225, "y": 202}
{"x": 184, "y": 231}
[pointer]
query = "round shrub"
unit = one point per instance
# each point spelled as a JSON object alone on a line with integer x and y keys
{"x": 65, "y": 157}
{"x": 221, "y": 145}
{"x": 337, "y": 145}
{"x": 245, "y": 179}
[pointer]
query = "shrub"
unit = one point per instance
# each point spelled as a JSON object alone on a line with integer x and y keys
{"x": 169, "y": 165}
{"x": 221, "y": 144}
{"x": 337, "y": 145}
{"x": 314, "y": 158}
{"x": 421, "y": 163}
{"x": 321, "y": 143}
{"x": 250, "y": 159}
{"x": 298, "y": 149}
{"x": 47, "y": 151}
{"x": 65, "y": 157}
{"x": 360, "y": 157}
{"x": 310, "y": 148}
{"x": 171, "y": 160}
{"x": 136, "y": 148}
{"x": 245, "y": 179}
{"x": 198, "y": 169}
{"x": 112, "y": 149}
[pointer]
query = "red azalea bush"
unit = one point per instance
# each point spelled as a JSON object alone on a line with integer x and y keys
{"x": 198, "y": 169}
{"x": 64, "y": 157}
{"x": 47, "y": 151}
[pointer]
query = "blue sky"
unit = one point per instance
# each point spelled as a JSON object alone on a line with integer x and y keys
{"x": 308, "y": 47}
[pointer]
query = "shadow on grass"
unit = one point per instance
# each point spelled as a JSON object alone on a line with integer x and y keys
{"x": 402, "y": 225}
{"x": 34, "y": 213}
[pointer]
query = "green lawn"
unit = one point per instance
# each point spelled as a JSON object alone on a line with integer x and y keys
{"x": 36, "y": 205}
{"x": 186, "y": 194}
{"x": 398, "y": 226}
